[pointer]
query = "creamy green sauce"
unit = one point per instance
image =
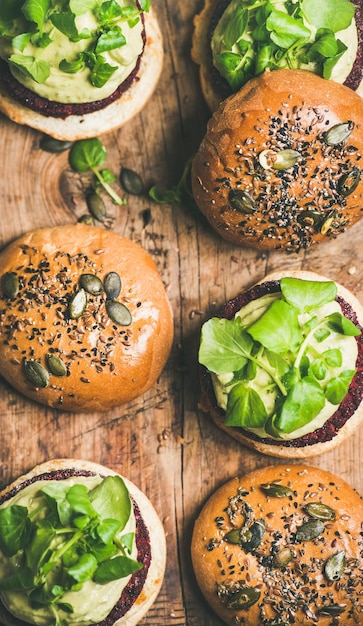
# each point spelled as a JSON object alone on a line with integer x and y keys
{"x": 75, "y": 88}
{"x": 92, "y": 603}
{"x": 340, "y": 71}
{"x": 263, "y": 383}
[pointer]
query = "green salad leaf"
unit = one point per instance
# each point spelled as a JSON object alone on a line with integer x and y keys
{"x": 10, "y": 10}
{"x": 36, "y": 11}
{"x": 304, "y": 402}
{"x": 15, "y": 529}
{"x": 65, "y": 22}
{"x": 30, "y": 66}
{"x": 306, "y": 295}
{"x": 245, "y": 408}
{"x": 288, "y": 352}
{"x": 334, "y": 14}
{"x": 78, "y": 7}
{"x": 109, "y": 40}
{"x": 278, "y": 329}
{"x": 225, "y": 347}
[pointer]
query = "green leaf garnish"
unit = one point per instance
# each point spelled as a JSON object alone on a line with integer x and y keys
{"x": 340, "y": 324}
{"x": 20, "y": 41}
{"x": 306, "y": 295}
{"x": 334, "y": 14}
{"x": 30, "y": 66}
{"x": 10, "y": 10}
{"x": 245, "y": 408}
{"x": 15, "y": 529}
{"x": 278, "y": 329}
{"x": 101, "y": 72}
{"x": 84, "y": 569}
{"x": 113, "y": 569}
{"x": 65, "y": 22}
{"x": 303, "y": 403}
{"x": 337, "y": 388}
{"x": 109, "y": 40}
{"x": 284, "y": 30}
{"x": 225, "y": 347}
{"x": 36, "y": 11}
{"x": 78, "y": 7}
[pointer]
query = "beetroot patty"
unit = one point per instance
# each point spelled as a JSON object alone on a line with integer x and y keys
{"x": 347, "y": 407}
{"x": 137, "y": 580}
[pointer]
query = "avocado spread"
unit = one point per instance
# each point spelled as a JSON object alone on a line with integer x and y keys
{"x": 67, "y": 550}
{"x": 72, "y": 51}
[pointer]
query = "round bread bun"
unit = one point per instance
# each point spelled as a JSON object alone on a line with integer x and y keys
{"x": 151, "y": 550}
{"x": 348, "y": 416}
{"x": 315, "y": 191}
{"x": 94, "y": 352}
{"x": 290, "y": 578}
{"x": 114, "y": 114}
{"x": 214, "y": 87}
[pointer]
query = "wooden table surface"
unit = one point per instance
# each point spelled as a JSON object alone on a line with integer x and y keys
{"x": 161, "y": 441}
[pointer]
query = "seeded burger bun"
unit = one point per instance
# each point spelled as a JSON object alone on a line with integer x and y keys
{"x": 310, "y": 401}
{"x": 229, "y": 54}
{"x": 282, "y": 545}
{"x": 280, "y": 164}
{"x": 85, "y": 321}
{"x": 94, "y": 93}
{"x": 141, "y": 588}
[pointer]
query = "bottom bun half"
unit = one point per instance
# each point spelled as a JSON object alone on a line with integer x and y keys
{"x": 107, "y": 119}
{"x": 141, "y": 591}
{"x": 341, "y": 425}
{"x": 282, "y": 545}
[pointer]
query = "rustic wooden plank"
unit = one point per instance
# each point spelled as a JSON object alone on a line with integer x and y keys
{"x": 162, "y": 441}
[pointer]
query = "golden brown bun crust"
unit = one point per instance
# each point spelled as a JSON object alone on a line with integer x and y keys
{"x": 207, "y": 403}
{"x": 107, "y": 364}
{"x": 112, "y": 116}
{"x": 301, "y": 588}
{"x": 288, "y": 209}
{"x": 152, "y": 522}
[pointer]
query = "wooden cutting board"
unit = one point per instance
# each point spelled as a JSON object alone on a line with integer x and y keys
{"x": 161, "y": 441}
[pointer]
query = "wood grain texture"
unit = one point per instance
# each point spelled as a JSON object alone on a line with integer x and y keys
{"x": 161, "y": 441}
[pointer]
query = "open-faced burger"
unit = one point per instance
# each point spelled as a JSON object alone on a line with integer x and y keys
{"x": 79, "y": 545}
{"x": 236, "y": 40}
{"x": 282, "y": 365}
{"x": 77, "y": 69}
{"x": 85, "y": 323}
{"x": 282, "y": 545}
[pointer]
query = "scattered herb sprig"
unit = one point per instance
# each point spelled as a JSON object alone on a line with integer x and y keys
{"x": 283, "y": 346}
{"x": 254, "y": 36}
{"x": 177, "y": 194}
{"x": 72, "y": 536}
{"x": 88, "y": 155}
